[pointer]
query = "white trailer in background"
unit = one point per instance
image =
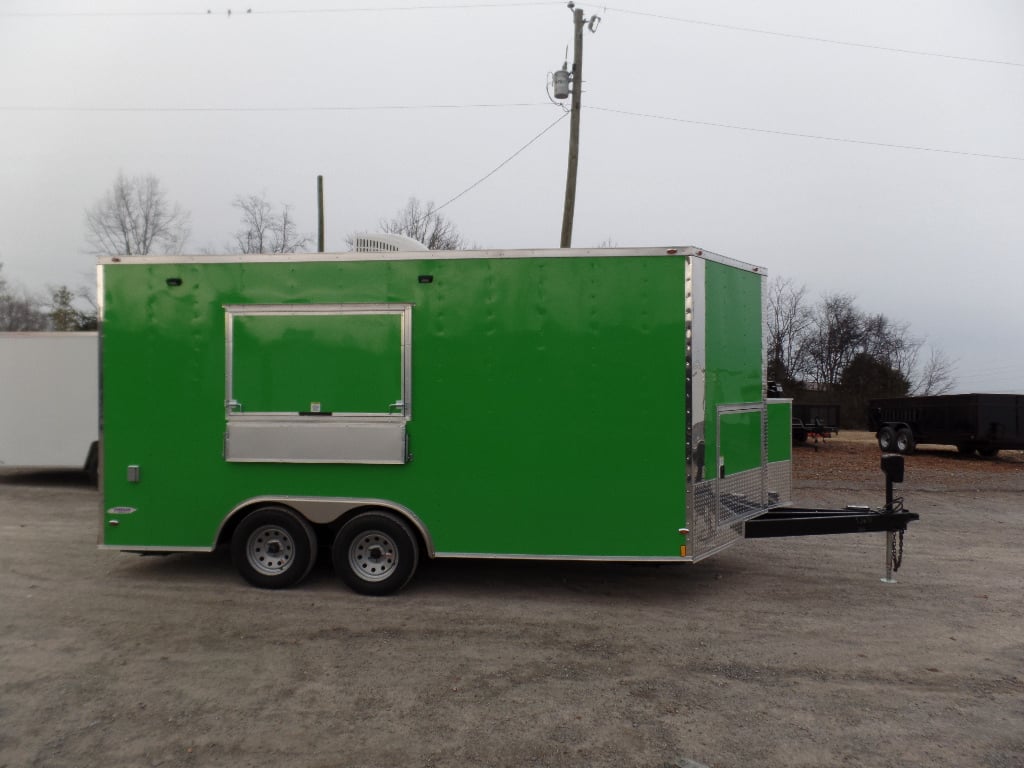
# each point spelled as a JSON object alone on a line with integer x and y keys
{"x": 49, "y": 400}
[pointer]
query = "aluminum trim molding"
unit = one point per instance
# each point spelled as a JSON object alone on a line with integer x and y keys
{"x": 402, "y": 309}
{"x": 100, "y": 442}
{"x": 565, "y": 558}
{"x": 353, "y": 256}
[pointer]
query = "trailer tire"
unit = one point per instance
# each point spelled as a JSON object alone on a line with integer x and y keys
{"x": 375, "y": 553}
{"x": 273, "y": 547}
{"x": 989, "y": 452}
{"x": 886, "y": 438}
{"x": 92, "y": 463}
{"x": 905, "y": 441}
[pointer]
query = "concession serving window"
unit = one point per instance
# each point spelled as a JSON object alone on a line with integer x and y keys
{"x": 318, "y": 383}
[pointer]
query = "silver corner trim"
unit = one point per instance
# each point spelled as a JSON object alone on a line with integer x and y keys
{"x": 99, "y": 294}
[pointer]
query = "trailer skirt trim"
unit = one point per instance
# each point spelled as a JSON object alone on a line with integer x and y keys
{"x": 566, "y": 558}
{"x": 130, "y": 548}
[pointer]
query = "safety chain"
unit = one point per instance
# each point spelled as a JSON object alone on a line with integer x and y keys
{"x": 897, "y": 554}
{"x": 897, "y": 557}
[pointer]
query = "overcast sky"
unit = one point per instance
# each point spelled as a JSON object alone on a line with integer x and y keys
{"x": 217, "y": 105}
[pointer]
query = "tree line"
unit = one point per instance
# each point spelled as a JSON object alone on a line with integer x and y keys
{"x": 818, "y": 351}
{"x": 136, "y": 218}
{"x": 831, "y": 351}
{"x": 61, "y": 309}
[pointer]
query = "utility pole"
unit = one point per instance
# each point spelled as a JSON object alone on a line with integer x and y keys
{"x": 319, "y": 214}
{"x": 561, "y": 80}
{"x": 574, "y": 119}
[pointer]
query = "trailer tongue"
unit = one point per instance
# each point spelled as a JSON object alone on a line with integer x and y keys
{"x": 891, "y": 518}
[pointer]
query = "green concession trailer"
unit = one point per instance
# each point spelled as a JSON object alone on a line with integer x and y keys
{"x": 577, "y": 404}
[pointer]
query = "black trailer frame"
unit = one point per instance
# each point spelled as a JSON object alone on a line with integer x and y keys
{"x": 815, "y": 420}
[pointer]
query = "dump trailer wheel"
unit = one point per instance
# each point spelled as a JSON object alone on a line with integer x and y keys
{"x": 273, "y": 547}
{"x": 905, "y": 441}
{"x": 799, "y": 433}
{"x": 886, "y": 438}
{"x": 375, "y": 553}
{"x": 988, "y": 452}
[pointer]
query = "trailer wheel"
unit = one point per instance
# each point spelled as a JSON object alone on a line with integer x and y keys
{"x": 375, "y": 553}
{"x": 988, "y": 453}
{"x": 92, "y": 463}
{"x": 273, "y": 548}
{"x": 905, "y": 441}
{"x": 886, "y": 438}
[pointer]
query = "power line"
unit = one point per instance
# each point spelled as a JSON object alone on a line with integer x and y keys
{"x": 502, "y": 164}
{"x": 371, "y": 108}
{"x": 509, "y": 105}
{"x": 817, "y": 137}
{"x": 395, "y": 8}
{"x": 811, "y": 38}
{"x": 487, "y": 6}
{"x": 248, "y": 11}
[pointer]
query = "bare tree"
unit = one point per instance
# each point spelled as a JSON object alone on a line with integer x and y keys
{"x": 835, "y": 338}
{"x": 937, "y": 374}
{"x": 264, "y": 231}
{"x": 20, "y": 310}
{"x": 422, "y": 222}
{"x": 891, "y": 344}
{"x": 789, "y": 319}
{"x": 135, "y": 219}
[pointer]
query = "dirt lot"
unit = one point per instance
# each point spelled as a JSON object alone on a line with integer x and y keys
{"x": 774, "y": 653}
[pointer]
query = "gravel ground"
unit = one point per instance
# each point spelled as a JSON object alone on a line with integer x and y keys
{"x": 786, "y": 652}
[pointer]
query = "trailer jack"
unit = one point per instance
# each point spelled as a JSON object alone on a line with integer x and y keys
{"x": 892, "y": 518}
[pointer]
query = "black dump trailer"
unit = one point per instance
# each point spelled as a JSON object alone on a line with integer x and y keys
{"x": 976, "y": 422}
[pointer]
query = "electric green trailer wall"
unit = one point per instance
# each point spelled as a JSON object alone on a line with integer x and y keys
{"x": 584, "y": 404}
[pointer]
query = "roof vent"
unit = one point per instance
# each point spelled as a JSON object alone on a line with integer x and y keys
{"x": 386, "y": 243}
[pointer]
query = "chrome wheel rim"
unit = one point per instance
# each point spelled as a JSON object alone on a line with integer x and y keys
{"x": 373, "y": 555}
{"x": 270, "y": 550}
